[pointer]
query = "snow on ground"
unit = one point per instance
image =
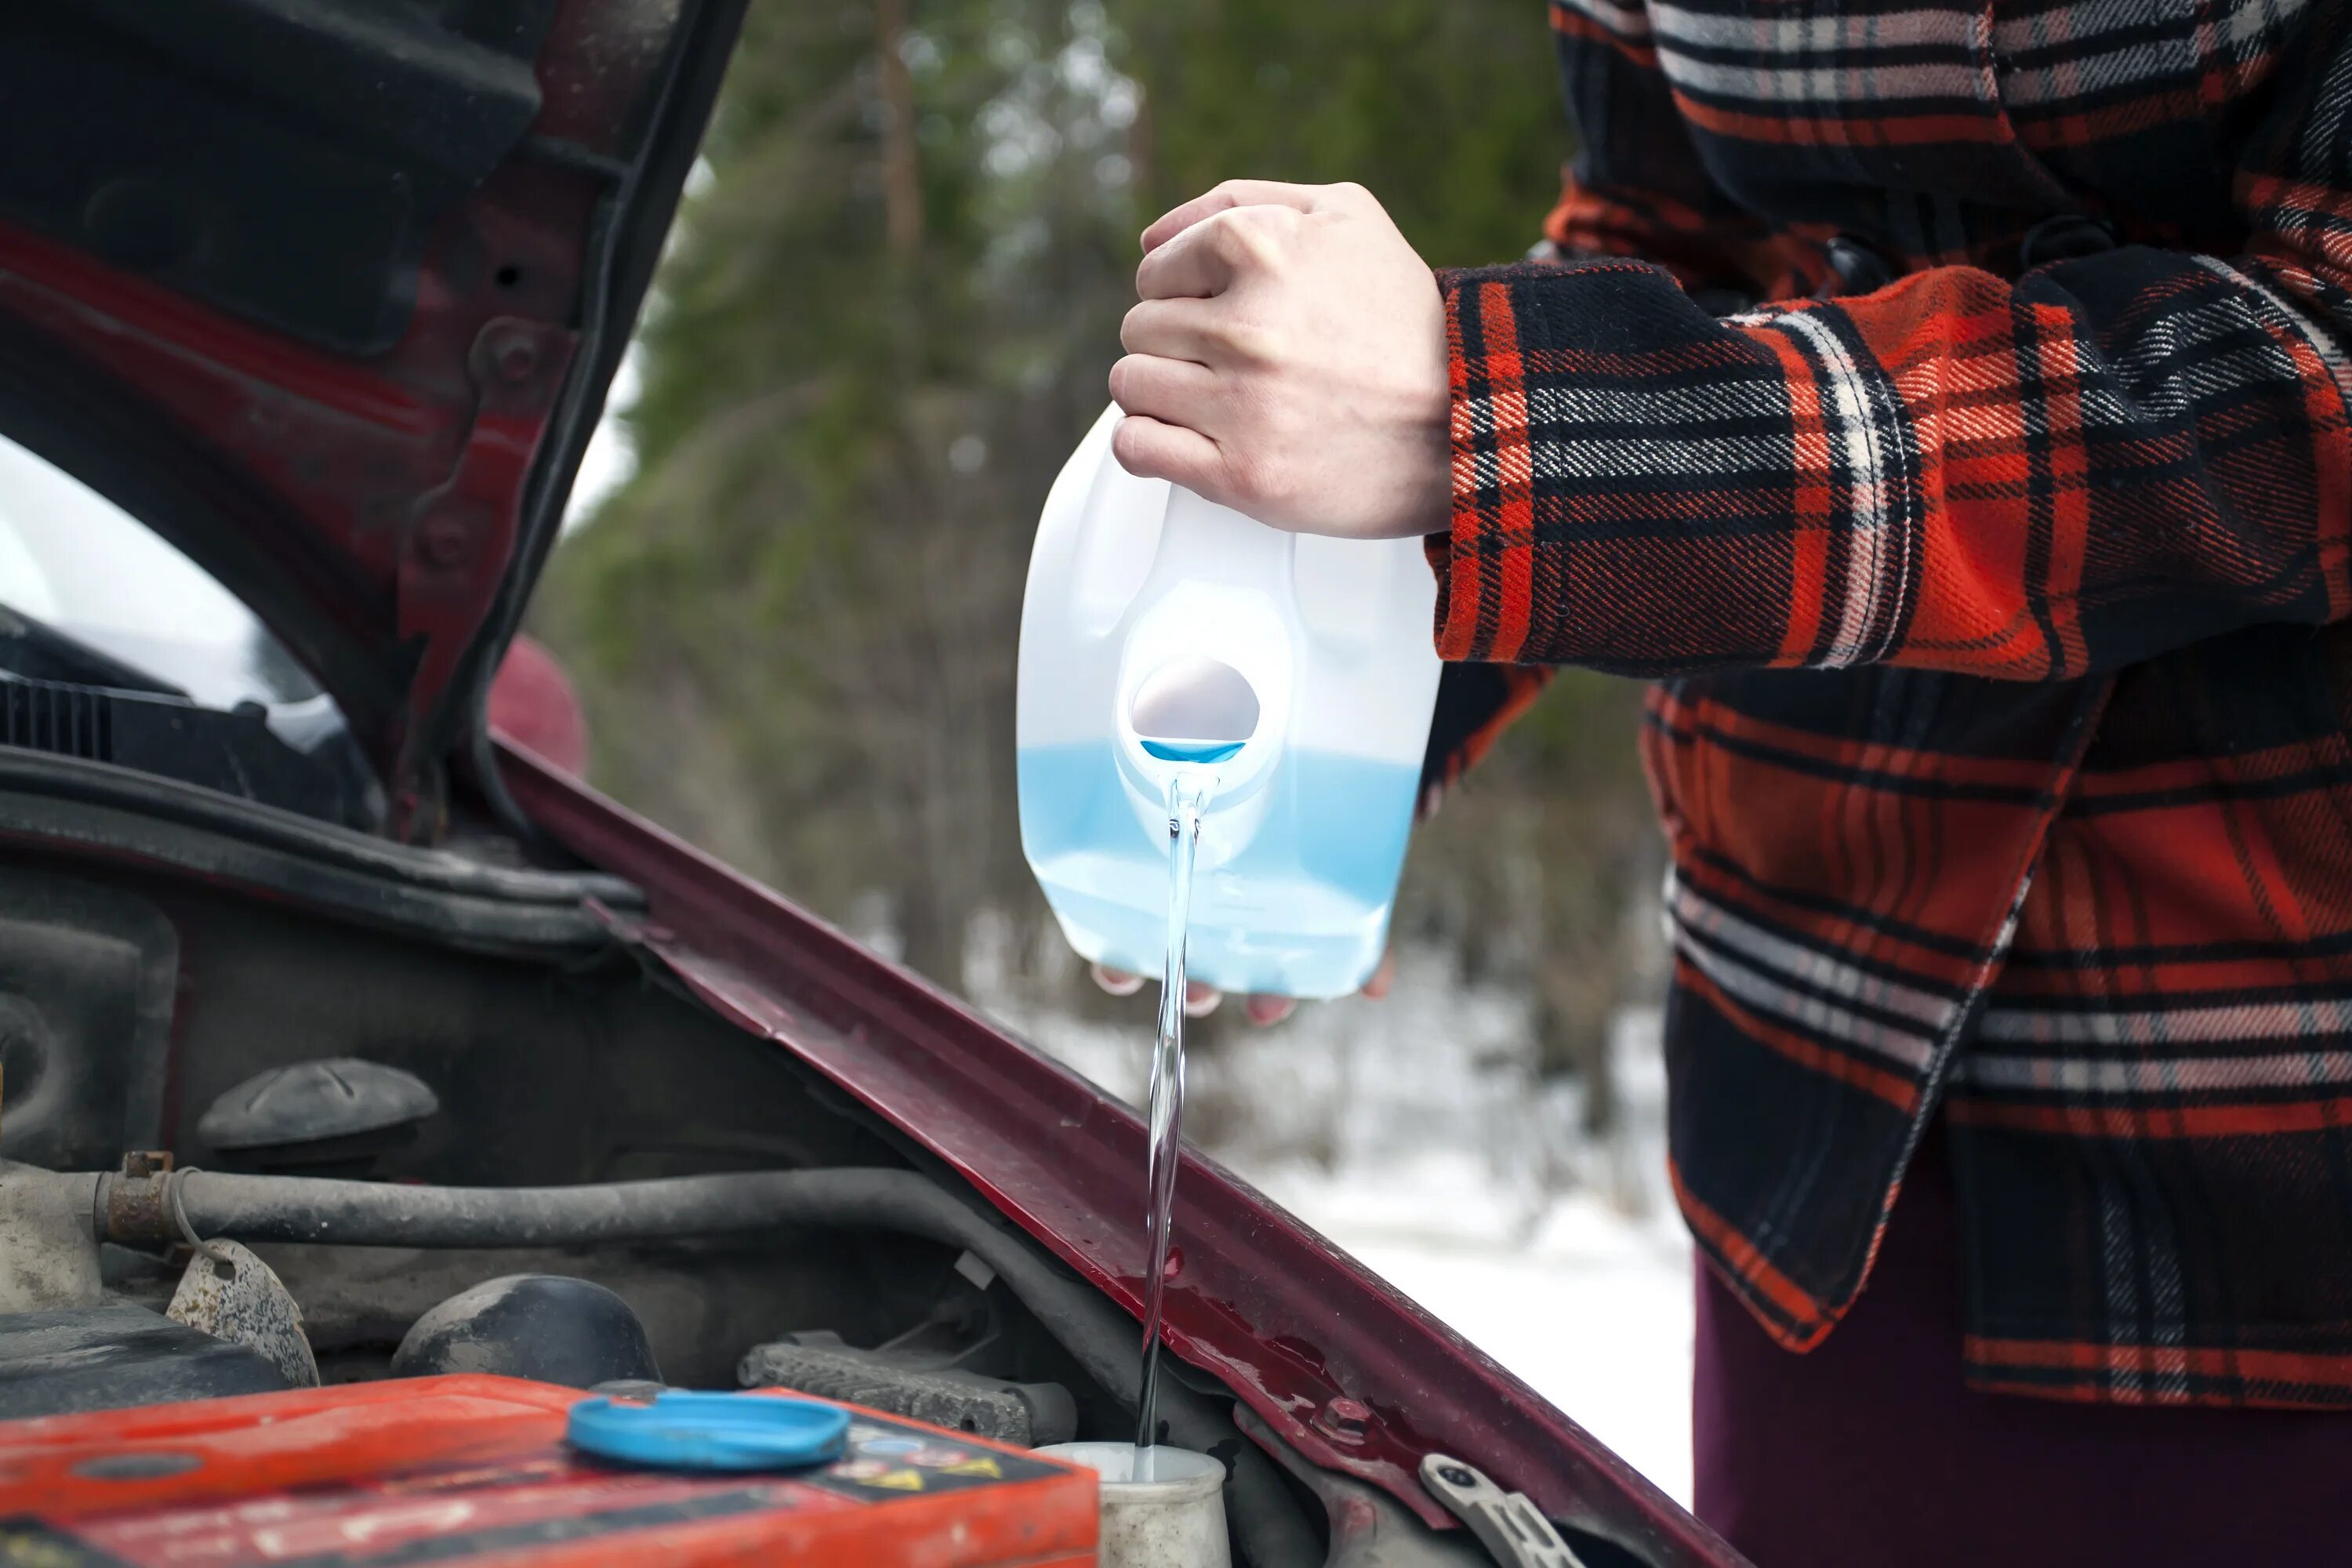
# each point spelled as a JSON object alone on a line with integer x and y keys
{"x": 1413, "y": 1135}
{"x": 1593, "y": 1312}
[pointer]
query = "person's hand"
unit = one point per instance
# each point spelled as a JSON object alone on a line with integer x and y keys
{"x": 1288, "y": 360}
{"x": 1200, "y": 1000}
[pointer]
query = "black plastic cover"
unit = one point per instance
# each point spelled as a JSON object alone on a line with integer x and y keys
{"x": 297, "y": 756}
{"x": 315, "y": 1102}
{"x": 109, "y": 1358}
{"x": 1028, "y": 1413}
{"x": 548, "y": 1327}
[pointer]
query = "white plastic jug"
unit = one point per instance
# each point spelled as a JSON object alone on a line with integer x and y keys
{"x": 1163, "y": 633}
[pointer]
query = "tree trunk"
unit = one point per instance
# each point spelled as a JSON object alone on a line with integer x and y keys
{"x": 902, "y": 186}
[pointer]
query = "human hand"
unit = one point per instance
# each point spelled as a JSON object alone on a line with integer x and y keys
{"x": 1288, "y": 359}
{"x": 1200, "y": 1000}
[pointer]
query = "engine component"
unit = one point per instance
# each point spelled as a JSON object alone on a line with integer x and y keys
{"x": 296, "y": 756}
{"x": 232, "y": 1294}
{"x": 1024, "y": 1414}
{"x": 1173, "y": 1512}
{"x": 1506, "y": 1523}
{"x": 144, "y": 1206}
{"x": 105, "y": 1358}
{"x": 1367, "y": 1528}
{"x": 312, "y": 1115}
{"x": 457, "y": 1470}
{"x": 546, "y": 1327}
{"x": 87, "y": 981}
{"x": 49, "y": 1257}
{"x": 683, "y": 1429}
{"x": 139, "y": 1208}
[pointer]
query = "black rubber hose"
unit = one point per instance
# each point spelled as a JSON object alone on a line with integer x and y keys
{"x": 1103, "y": 1339}
{"x": 383, "y": 1213}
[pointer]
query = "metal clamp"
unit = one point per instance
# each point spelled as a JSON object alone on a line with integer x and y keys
{"x": 1513, "y": 1530}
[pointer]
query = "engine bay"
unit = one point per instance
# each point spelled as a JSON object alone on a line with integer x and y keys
{"x": 248, "y": 1148}
{"x": 154, "y": 1033}
{"x": 282, "y": 1107}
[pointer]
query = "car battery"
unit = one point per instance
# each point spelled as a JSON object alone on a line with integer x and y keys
{"x": 475, "y": 1470}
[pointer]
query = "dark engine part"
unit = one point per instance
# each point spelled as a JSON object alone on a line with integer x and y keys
{"x": 548, "y": 1327}
{"x": 87, "y": 981}
{"x": 320, "y": 1117}
{"x": 137, "y": 1209}
{"x": 108, "y": 1358}
{"x": 1029, "y": 1414}
{"x": 296, "y": 755}
{"x": 146, "y": 1208}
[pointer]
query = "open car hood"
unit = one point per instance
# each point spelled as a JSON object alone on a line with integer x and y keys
{"x": 328, "y": 292}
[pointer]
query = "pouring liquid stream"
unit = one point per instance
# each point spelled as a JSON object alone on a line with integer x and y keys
{"x": 1187, "y": 791}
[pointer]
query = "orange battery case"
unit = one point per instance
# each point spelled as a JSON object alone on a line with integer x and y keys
{"x": 475, "y": 1470}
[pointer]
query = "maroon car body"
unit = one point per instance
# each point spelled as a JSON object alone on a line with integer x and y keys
{"x": 370, "y": 443}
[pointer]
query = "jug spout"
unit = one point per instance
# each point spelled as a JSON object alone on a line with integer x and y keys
{"x": 1194, "y": 709}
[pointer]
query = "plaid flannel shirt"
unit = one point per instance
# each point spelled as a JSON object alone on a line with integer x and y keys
{"x": 1999, "y": 601}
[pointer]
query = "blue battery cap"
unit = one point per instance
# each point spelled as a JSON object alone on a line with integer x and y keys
{"x": 679, "y": 1430}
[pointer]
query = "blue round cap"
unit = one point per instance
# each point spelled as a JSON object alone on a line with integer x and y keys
{"x": 683, "y": 1431}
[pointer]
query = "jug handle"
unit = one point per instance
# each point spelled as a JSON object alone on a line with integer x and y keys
{"x": 1203, "y": 542}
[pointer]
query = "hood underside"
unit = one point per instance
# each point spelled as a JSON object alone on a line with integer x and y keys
{"x": 327, "y": 293}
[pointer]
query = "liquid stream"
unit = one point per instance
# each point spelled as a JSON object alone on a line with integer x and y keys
{"x": 1186, "y": 792}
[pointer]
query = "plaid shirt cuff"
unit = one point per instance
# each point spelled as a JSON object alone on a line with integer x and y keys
{"x": 1587, "y": 457}
{"x": 1489, "y": 441}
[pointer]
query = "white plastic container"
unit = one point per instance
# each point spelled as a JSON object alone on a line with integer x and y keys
{"x": 1175, "y": 1520}
{"x": 1163, "y": 633}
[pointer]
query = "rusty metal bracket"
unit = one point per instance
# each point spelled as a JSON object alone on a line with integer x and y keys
{"x": 132, "y": 1209}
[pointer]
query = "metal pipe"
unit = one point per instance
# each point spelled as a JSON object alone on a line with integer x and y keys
{"x": 381, "y": 1213}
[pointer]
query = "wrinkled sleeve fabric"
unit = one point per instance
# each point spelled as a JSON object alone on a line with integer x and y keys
{"x": 2033, "y": 479}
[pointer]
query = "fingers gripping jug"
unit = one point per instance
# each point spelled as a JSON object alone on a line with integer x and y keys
{"x": 1287, "y": 677}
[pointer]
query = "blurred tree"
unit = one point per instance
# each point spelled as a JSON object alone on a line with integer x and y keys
{"x": 1447, "y": 110}
{"x": 860, "y": 364}
{"x": 894, "y": 292}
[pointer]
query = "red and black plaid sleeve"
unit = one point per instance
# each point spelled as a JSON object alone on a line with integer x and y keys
{"x": 2107, "y": 458}
{"x": 1637, "y": 188}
